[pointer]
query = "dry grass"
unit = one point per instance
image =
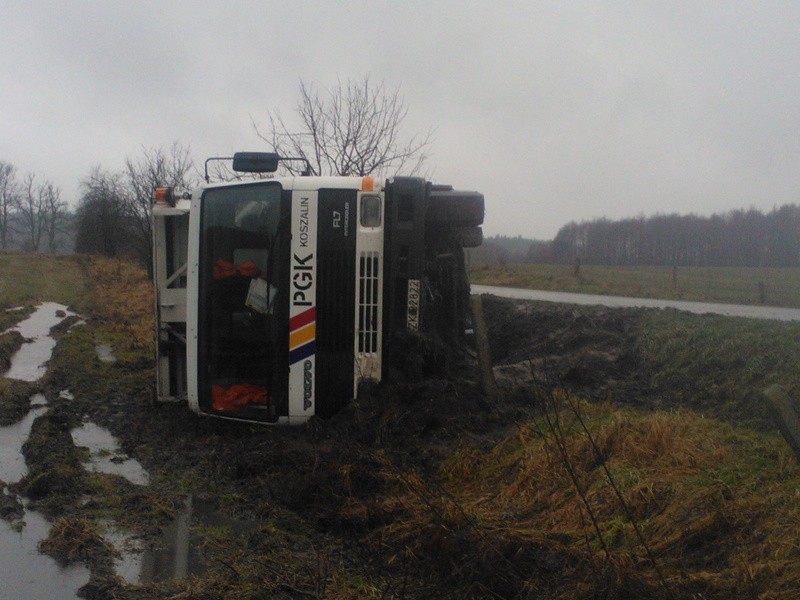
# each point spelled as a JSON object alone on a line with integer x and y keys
{"x": 74, "y": 539}
{"x": 122, "y": 298}
{"x": 716, "y": 507}
{"x": 116, "y": 292}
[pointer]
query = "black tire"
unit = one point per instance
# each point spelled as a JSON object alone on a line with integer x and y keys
{"x": 455, "y": 209}
{"x": 470, "y": 237}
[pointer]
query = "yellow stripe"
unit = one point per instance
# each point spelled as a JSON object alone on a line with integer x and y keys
{"x": 301, "y": 336}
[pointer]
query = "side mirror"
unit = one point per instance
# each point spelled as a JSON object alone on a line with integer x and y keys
{"x": 255, "y": 162}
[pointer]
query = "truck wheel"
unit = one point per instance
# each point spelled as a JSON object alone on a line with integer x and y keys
{"x": 470, "y": 237}
{"x": 455, "y": 209}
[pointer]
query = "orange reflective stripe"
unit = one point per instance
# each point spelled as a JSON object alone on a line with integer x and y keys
{"x": 367, "y": 184}
{"x": 301, "y": 336}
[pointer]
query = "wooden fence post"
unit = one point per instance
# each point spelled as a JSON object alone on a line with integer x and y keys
{"x": 785, "y": 415}
{"x": 484, "y": 358}
{"x": 674, "y": 276}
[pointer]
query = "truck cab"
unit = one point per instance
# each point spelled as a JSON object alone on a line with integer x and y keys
{"x": 276, "y": 298}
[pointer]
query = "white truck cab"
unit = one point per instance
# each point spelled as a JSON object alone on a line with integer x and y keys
{"x": 276, "y": 298}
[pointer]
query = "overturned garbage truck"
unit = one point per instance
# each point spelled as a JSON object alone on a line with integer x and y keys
{"x": 277, "y": 298}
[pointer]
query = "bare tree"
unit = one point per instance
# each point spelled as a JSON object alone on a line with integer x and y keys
{"x": 154, "y": 168}
{"x": 9, "y": 202}
{"x": 104, "y": 224}
{"x": 353, "y": 128}
{"x": 55, "y": 213}
{"x": 31, "y": 208}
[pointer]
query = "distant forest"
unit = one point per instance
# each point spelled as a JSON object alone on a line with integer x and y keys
{"x": 739, "y": 238}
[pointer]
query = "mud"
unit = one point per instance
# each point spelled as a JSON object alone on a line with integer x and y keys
{"x": 320, "y": 486}
{"x": 10, "y": 343}
{"x": 177, "y": 553}
{"x": 320, "y": 495}
{"x": 590, "y": 350}
{"x": 15, "y": 396}
{"x": 352, "y": 506}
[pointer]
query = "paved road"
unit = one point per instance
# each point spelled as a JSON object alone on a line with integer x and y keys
{"x": 730, "y": 310}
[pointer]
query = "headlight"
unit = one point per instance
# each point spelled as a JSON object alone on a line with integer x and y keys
{"x": 370, "y": 211}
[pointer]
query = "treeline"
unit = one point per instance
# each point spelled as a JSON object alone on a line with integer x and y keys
{"x": 112, "y": 216}
{"x": 501, "y": 249}
{"x": 33, "y": 215}
{"x": 739, "y": 238}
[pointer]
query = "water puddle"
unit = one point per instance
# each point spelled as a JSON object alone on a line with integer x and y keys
{"x": 105, "y": 353}
{"x": 28, "y": 574}
{"x": 38, "y": 400}
{"x": 25, "y": 572}
{"x": 176, "y": 555}
{"x": 12, "y": 462}
{"x": 29, "y": 363}
{"x": 172, "y": 557}
{"x": 105, "y": 454}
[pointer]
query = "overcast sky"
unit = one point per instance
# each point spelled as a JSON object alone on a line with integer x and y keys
{"x": 556, "y": 111}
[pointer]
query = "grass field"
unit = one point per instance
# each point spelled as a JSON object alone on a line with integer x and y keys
{"x": 781, "y": 287}
{"x": 718, "y": 365}
{"x": 547, "y": 495}
{"x": 31, "y": 278}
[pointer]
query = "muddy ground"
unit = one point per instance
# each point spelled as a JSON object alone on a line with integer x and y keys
{"x": 589, "y": 350}
{"x": 333, "y": 508}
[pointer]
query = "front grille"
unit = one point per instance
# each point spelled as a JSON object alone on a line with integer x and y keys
{"x": 335, "y": 302}
{"x": 335, "y": 317}
{"x": 368, "y": 299}
{"x": 336, "y": 297}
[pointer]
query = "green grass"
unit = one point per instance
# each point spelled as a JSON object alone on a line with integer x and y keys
{"x": 710, "y": 284}
{"x": 31, "y": 278}
{"x": 719, "y": 364}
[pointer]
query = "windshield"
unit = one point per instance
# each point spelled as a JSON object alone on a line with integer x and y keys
{"x": 239, "y": 334}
